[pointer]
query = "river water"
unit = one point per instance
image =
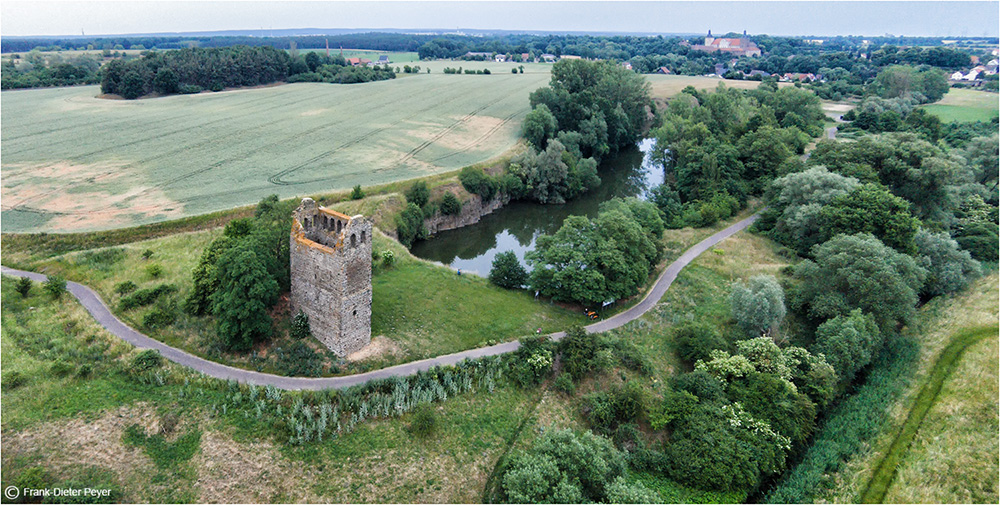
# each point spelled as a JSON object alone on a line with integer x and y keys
{"x": 515, "y": 227}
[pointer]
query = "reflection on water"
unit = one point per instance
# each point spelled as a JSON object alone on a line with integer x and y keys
{"x": 516, "y": 226}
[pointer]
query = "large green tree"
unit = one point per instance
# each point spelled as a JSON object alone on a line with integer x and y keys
{"x": 949, "y": 269}
{"x": 859, "y": 272}
{"x": 507, "y": 271}
{"x": 245, "y": 293}
{"x": 540, "y": 126}
{"x": 759, "y": 305}
{"x": 590, "y": 261}
{"x": 849, "y": 342}
{"x": 795, "y": 201}
{"x": 872, "y": 209}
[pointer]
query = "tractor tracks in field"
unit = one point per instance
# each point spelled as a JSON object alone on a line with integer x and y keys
{"x": 279, "y": 177}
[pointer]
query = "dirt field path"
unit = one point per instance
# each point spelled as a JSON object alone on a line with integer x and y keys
{"x": 93, "y": 303}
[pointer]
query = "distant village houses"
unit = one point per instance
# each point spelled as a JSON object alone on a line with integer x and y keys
{"x": 976, "y": 73}
{"x": 359, "y": 62}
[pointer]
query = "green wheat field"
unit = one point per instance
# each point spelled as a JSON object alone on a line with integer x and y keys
{"x": 74, "y": 162}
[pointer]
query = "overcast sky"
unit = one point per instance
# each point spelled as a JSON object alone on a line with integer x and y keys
{"x": 777, "y": 18}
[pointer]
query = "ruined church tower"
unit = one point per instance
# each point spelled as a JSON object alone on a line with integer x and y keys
{"x": 331, "y": 267}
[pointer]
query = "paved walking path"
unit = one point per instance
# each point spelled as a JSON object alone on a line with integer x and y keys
{"x": 93, "y": 303}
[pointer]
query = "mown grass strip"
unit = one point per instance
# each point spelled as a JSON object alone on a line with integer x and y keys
{"x": 945, "y": 365}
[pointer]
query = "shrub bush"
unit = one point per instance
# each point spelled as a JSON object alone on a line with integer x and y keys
{"x": 410, "y": 225}
{"x": 605, "y": 411}
{"x": 578, "y": 350}
{"x": 125, "y": 287}
{"x": 388, "y": 258}
{"x": 450, "y": 205}
{"x": 159, "y": 317}
{"x": 299, "y": 360}
{"x": 300, "y": 325}
{"x": 531, "y": 362}
{"x": 145, "y": 361}
{"x": 13, "y": 380}
{"x": 694, "y": 341}
{"x": 629, "y": 355}
{"x": 23, "y": 286}
{"x": 424, "y": 421}
{"x": 564, "y": 384}
{"x": 154, "y": 270}
{"x": 144, "y": 297}
{"x": 759, "y": 305}
{"x": 55, "y": 286}
{"x": 418, "y": 194}
{"x": 475, "y": 181}
{"x": 356, "y": 193}
{"x": 148, "y": 253}
{"x": 562, "y": 467}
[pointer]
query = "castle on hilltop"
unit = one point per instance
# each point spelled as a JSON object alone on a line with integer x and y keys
{"x": 742, "y": 46}
{"x": 331, "y": 272}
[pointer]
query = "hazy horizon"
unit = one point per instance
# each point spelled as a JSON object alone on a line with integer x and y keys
{"x": 789, "y": 18}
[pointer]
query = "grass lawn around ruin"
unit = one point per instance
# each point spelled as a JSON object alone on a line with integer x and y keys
{"x": 420, "y": 309}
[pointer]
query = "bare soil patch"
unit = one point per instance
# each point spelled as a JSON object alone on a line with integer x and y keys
{"x": 379, "y": 347}
{"x": 53, "y": 188}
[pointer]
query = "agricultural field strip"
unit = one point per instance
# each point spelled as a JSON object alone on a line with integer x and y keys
{"x": 138, "y": 121}
{"x": 243, "y": 110}
{"x": 96, "y": 307}
{"x": 183, "y": 144}
{"x": 946, "y": 363}
{"x": 277, "y": 178}
{"x": 213, "y": 140}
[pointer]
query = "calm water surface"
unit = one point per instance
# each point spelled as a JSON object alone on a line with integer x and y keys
{"x": 516, "y": 226}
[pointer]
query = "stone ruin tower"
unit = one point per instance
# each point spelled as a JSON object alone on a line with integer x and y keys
{"x": 331, "y": 267}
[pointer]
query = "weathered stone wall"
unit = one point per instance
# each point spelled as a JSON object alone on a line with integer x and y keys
{"x": 472, "y": 212}
{"x": 331, "y": 273}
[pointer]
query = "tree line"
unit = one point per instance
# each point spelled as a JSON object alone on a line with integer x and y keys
{"x": 195, "y": 70}
{"x": 880, "y": 225}
{"x": 35, "y": 70}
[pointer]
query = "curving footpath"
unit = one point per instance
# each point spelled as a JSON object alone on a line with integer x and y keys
{"x": 93, "y": 303}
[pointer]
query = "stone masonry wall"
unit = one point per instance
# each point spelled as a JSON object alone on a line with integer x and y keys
{"x": 472, "y": 211}
{"x": 331, "y": 275}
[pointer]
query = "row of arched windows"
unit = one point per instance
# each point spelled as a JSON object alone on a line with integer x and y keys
{"x": 334, "y": 225}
